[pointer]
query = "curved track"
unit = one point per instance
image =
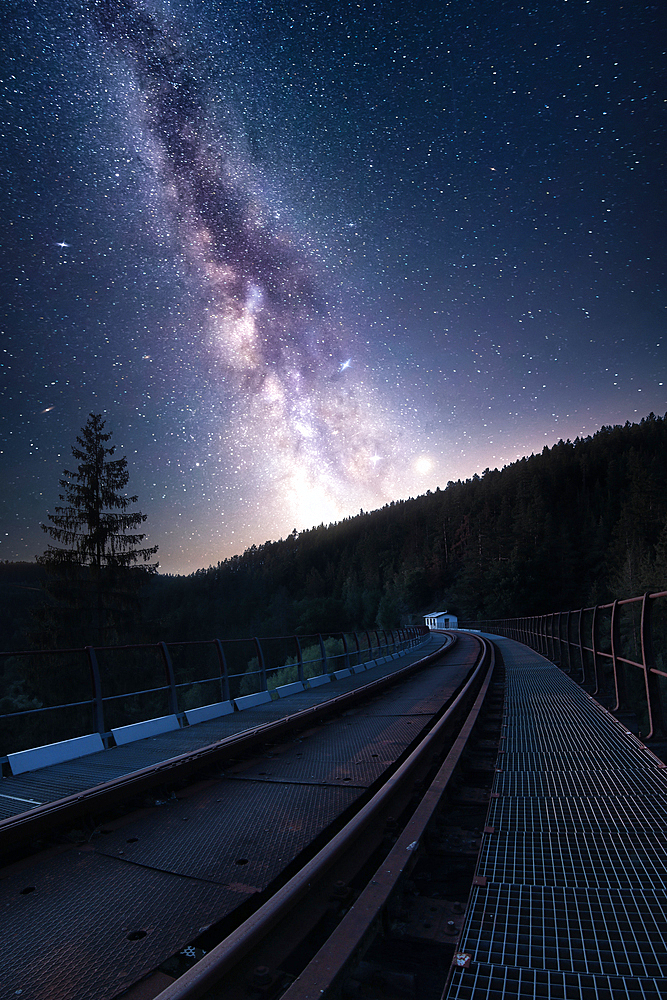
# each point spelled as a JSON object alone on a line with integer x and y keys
{"x": 222, "y": 862}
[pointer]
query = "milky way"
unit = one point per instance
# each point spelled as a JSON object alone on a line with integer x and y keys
{"x": 314, "y": 259}
{"x": 266, "y": 317}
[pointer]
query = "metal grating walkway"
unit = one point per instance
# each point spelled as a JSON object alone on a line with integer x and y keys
{"x": 575, "y": 853}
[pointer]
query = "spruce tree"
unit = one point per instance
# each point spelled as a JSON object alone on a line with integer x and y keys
{"x": 99, "y": 561}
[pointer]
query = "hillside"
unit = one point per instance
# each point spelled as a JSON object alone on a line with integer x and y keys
{"x": 581, "y": 522}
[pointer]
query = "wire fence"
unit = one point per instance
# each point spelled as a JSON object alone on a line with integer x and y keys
{"x": 617, "y": 650}
{"x": 66, "y": 693}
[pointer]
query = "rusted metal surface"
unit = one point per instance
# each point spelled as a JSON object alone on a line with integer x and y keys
{"x": 546, "y": 635}
{"x": 324, "y": 972}
{"x": 92, "y": 921}
{"x": 356, "y": 923}
{"x": 59, "y": 929}
{"x": 67, "y": 809}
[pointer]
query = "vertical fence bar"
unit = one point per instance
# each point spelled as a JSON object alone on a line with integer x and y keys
{"x": 580, "y": 634}
{"x": 169, "y": 671}
{"x": 323, "y": 654}
{"x": 356, "y": 639}
{"x": 224, "y": 673}
{"x": 262, "y": 665}
{"x": 299, "y": 659}
{"x": 653, "y": 699}
{"x": 594, "y": 647}
{"x": 98, "y": 704}
{"x": 619, "y": 678}
{"x": 346, "y": 651}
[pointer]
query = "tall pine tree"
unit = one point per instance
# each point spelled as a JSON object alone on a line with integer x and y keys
{"x": 99, "y": 562}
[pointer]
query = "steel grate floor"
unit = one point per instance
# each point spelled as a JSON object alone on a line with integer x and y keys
{"x": 492, "y": 982}
{"x": 636, "y": 860}
{"x": 575, "y": 853}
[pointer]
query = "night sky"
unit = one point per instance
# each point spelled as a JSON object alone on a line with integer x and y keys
{"x": 311, "y": 258}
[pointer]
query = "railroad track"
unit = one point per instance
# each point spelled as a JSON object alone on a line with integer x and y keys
{"x": 354, "y": 813}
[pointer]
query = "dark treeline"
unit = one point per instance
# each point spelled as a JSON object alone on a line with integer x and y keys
{"x": 580, "y": 523}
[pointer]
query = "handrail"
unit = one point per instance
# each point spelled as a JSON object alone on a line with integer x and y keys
{"x": 232, "y": 667}
{"x": 614, "y": 633}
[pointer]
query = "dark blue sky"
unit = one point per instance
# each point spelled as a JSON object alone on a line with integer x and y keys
{"x": 307, "y": 260}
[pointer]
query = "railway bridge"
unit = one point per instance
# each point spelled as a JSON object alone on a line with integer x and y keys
{"x": 426, "y": 815}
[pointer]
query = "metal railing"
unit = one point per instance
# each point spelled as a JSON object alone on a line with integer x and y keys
{"x": 603, "y": 647}
{"x": 119, "y": 685}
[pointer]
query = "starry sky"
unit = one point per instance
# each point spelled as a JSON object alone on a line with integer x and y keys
{"x": 310, "y": 258}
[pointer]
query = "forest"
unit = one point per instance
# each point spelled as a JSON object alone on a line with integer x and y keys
{"x": 582, "y": 522}
{"x": 579, "y": 524}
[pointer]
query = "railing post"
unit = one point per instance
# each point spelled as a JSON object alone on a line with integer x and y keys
{"x": 594, "y": 648}
{"x": 653, "y": 699}
{"x": 580, "y": 633}
{"x": 567, "y": 640}
{"x": 262, "y": 665}
{"x": 223, "y": 671}
{"x": 169, "y": 671}
{"x": 347, "y": 654}
{"x": 323, "y": 653}
{"x": 98, "y": 704}
{"x": 299, "y": 657}
{"x": 368, "y": 640}
{"x": 619, "y": 678}
{"x": 356, "y": 639}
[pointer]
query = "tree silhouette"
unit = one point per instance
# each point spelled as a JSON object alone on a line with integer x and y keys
{"x": 100, "y": 554}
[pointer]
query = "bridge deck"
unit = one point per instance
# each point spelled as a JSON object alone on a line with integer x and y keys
{"x": 91, "y": 921}
{"x": 575, "y": 900}
{"x": 22, "y": 792}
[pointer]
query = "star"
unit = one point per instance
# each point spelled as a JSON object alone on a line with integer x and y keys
{"x": 62, "y": 245}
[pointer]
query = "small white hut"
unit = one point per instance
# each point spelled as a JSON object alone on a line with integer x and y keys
{"x": 441, "y": 619}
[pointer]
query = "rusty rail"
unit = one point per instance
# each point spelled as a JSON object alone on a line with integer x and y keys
{"x": 587, "y": 640}
{"x": 344, "y": 945}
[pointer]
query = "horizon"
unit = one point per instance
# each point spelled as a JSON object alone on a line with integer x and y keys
{"x": 352, "y": 516}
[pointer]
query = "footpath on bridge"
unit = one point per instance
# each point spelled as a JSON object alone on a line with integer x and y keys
{"x": 23, "y": 792}
{"x": 571, "y": 894}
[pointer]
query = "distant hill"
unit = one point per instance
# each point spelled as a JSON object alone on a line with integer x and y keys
{"x": 582, "y": 522}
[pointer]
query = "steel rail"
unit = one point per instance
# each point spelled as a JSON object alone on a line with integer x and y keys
{"x": 43, "y": 818}
{"x": 226, "y": 955}
{"x": 355, "y": 931}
